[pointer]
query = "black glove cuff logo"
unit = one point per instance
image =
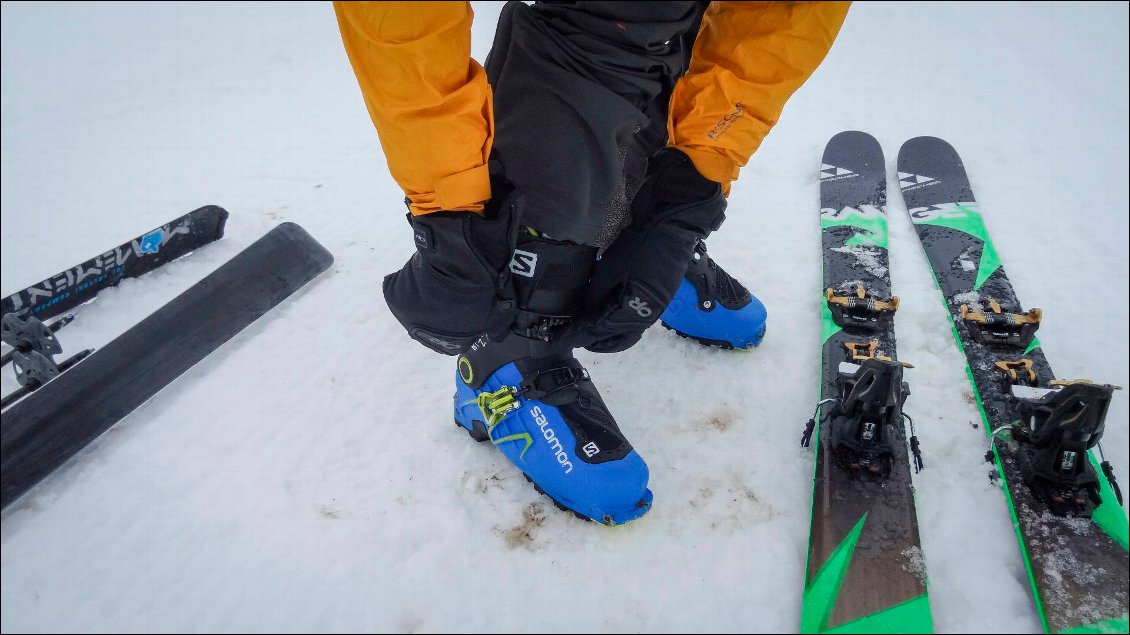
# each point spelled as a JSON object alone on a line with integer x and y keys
{"x": 641, "y": 307}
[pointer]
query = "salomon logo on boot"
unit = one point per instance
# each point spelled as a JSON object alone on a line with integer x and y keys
{"x": 546, "y": 416}
{"x": 713, "y": 308}
{"x": 551, "y": 438}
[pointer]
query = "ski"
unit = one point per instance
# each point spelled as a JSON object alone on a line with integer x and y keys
{"x": 72, "y": 287}
{"x": 1068, "y": 519}
{"x": 865, "y": 571}
{"x": 47, "y": 427}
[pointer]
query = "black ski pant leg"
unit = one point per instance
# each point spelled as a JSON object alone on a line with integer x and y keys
{"x": 580, "y": 102}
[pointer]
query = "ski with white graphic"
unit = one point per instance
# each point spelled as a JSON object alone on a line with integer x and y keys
{"x": 1065, "y": 506}
{"x": 72, "y": 287}
{"x": 865, "y": 570}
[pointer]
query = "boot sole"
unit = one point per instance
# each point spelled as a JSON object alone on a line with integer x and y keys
{"x": 722, "y": 344}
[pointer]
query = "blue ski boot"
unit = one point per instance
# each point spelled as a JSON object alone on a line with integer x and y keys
{"x": 713, "y": 308}
{"x": 535, "y": 401}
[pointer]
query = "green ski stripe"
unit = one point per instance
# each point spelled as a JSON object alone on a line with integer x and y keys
{"x": 828, "y": 326}
{"x": 871, "y": 229}
{"x": 911, "y": 616}
{"x": 990, "y": 262}
{"x": 1113, "y": 625}
{"x": 966, "y": 219}
{"x": 1109, "y": 516}
{"x": 862, "y": 238}
{"x": 820, "y": 596}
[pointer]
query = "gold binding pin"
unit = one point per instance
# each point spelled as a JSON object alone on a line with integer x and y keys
{"x": 863, "y": 351}
{"x": 1019, "y": 371}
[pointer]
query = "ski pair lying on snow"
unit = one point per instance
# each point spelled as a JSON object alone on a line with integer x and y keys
{"x": 52, "y": 424}
{"x": 866, "y": 572}
{"x": 33, "y": 341}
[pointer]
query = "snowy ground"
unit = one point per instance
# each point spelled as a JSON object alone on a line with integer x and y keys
{"x": 307, "y": 476}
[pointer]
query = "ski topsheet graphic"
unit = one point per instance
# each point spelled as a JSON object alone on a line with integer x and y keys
{"x": 52, "y": 424}
{"x": 865, "y": 571}
{"x": 1068, "y": 518}
{"x": 72, "y": 287}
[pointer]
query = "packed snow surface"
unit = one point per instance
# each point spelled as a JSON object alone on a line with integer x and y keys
{"x": 307, "y": 476}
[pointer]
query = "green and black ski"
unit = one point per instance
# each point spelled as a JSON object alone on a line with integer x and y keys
{"x": 865, "y": 572}
{"x": 1064, "y": 504}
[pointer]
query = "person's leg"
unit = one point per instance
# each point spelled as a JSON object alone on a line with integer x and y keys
{"x": 580, "y": 95}
{"x": 580, "y": 101}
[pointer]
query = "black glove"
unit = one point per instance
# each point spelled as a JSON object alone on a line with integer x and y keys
{"x": 457, "y": 285}
{"x": 640, "y": 272}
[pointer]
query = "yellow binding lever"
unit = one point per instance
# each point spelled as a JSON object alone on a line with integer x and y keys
{"x": 1072, "y": 382}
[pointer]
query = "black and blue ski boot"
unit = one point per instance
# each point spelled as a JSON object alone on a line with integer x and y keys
{"x": 714, "y": 308}
{"x": 534, "y": 400}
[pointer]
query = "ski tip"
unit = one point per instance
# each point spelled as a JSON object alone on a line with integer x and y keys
{"x": 216, "y": 215}
{"x": 302, "y": 239}
{"x": 221, "y": 220}
{"x": 852, "y": 136}
{"x": 849, "y": 153}
{"x": 294, "y": 229}
{"x": 925, "y": 145}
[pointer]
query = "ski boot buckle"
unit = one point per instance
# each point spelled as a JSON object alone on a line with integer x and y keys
{"x": 559, "y": 382}
{"x": 536, "y": 326}
{"x": 496, "y": 405}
